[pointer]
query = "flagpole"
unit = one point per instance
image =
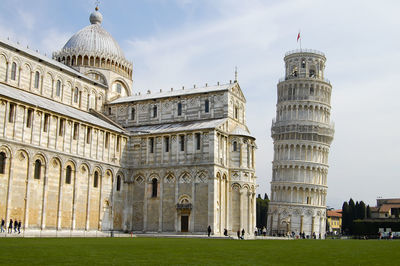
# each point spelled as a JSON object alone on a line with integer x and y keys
{"x": 300, "y": 39}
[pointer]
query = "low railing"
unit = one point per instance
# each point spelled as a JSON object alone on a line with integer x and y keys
{"x": 303, "y": 77}
{"x": 275, "y": 123}
{"x": 319, "y": 99}
{"x": 296, "y": 51}
{"x": 318, "y": 128}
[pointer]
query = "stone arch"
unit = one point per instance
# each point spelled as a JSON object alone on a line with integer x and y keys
{"x": 85, "y": 167}
{"x": 139, "y": 178}
{"x": 236, "y": 186}
{"x": 41, "y": 156}
{"x": 153, "y": 176}
{"x": 184, "y": 199}
{"x": 185, "y": 177}
{"x": 99, "y": 168}
{"x": 218, "y": 175}
{"x": 6, "y": 156}
{"x": 126, "y": 85}
{"x": 17, "y": 61}
{"x": 7, "y": 150}
{"x": 169, "y": 178}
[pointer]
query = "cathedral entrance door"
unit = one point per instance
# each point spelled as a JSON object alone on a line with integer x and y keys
{"x": 184, "y": 223}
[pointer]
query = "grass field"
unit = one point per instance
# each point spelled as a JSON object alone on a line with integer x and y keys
{"x": 156, "y": 251}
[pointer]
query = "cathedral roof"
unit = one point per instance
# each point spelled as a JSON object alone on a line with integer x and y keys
{"x": 239, "y": 131}
{"x": 177, "y": 127}
{"x": 172, "y": 93}
{"x": 53, "y": 63}
{"x": 53, "y": 106}
{"x": 93, "y": 41}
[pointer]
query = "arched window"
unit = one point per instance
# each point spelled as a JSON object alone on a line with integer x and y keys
{"x": 96, "y": 179}
{"x": 151, "y": 143}
{"x": 118, "y": 183}
{"x": 76, "y": 95}
{"x": 119, "y": 88}
{"x": 37, "y": 79}
{"x": 38, "y": 166}
{"x": 58, "y": 88}
{"x": 234, "y": 146}
{"x": 2, "y": 162}
{"x": 11, "y": 113}
{"x": 198, "y": 141}
{"x": 68, "y": 173}
{"x": 179, "y": 108}
{"x": 182, "y": 142}
{"x": 206, "y": 106}
{"x": 155, "y": 111}
{"x": 133, "y": 113}
{"x": 303, "y": 63}
{"x": 312, "y": 73}
{"x": 154, "y": 188}
{"x": 13, "y": 71}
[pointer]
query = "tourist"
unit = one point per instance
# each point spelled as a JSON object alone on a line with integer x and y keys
{"x": 264, "y": 231}
{"x": 243, "y": 233}
{"x": 209, "y": 231}
{"x": 19, "y": 227}
{"x": 15, "y": 225}
{"x": 238, "y": 234}
{"x": 225, "y": 232}
{"x": 10, "y": 225}
{"x": 2, "y": 225}
{"x": 255, "y": 231}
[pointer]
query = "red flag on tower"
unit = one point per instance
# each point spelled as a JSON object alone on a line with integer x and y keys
{"x": 298, "y": 36}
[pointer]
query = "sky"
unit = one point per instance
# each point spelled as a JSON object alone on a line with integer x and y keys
{"x": 175, "y": 43}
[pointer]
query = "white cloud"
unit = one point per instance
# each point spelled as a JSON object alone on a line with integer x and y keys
{"x": 54, "y": 40}
{"x": 27, "y": 19}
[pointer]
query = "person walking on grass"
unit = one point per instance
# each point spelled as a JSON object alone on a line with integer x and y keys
{"x": 209, "y": 231}
{"x": 10, "y": 225}
{"x": 243, "y": 233}
{"x": 2, "y": 225}
{"x": 19, "y": 227}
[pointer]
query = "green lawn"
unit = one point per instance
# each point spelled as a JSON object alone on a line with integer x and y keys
{"x": 156, "y": 251}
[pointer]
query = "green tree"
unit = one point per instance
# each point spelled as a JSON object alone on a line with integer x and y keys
{"x": 362, "y": 212}
{"x": 368, "y": 212}
{"x": 357, "y": 211}
{"x": 352, "y": 214}
{"x": 262, "y": 211}
{"x": 345, "y": 217}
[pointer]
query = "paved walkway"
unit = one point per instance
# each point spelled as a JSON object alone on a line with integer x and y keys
{"x": 76, "y": 233}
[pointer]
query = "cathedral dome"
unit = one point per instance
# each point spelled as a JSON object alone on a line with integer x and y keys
{"x": 94, "y": 46}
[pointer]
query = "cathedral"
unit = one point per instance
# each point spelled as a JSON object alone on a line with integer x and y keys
{"x": 82, "y": 152}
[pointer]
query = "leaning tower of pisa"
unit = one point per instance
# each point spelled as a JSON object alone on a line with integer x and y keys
{"x": 302, "y": 134}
